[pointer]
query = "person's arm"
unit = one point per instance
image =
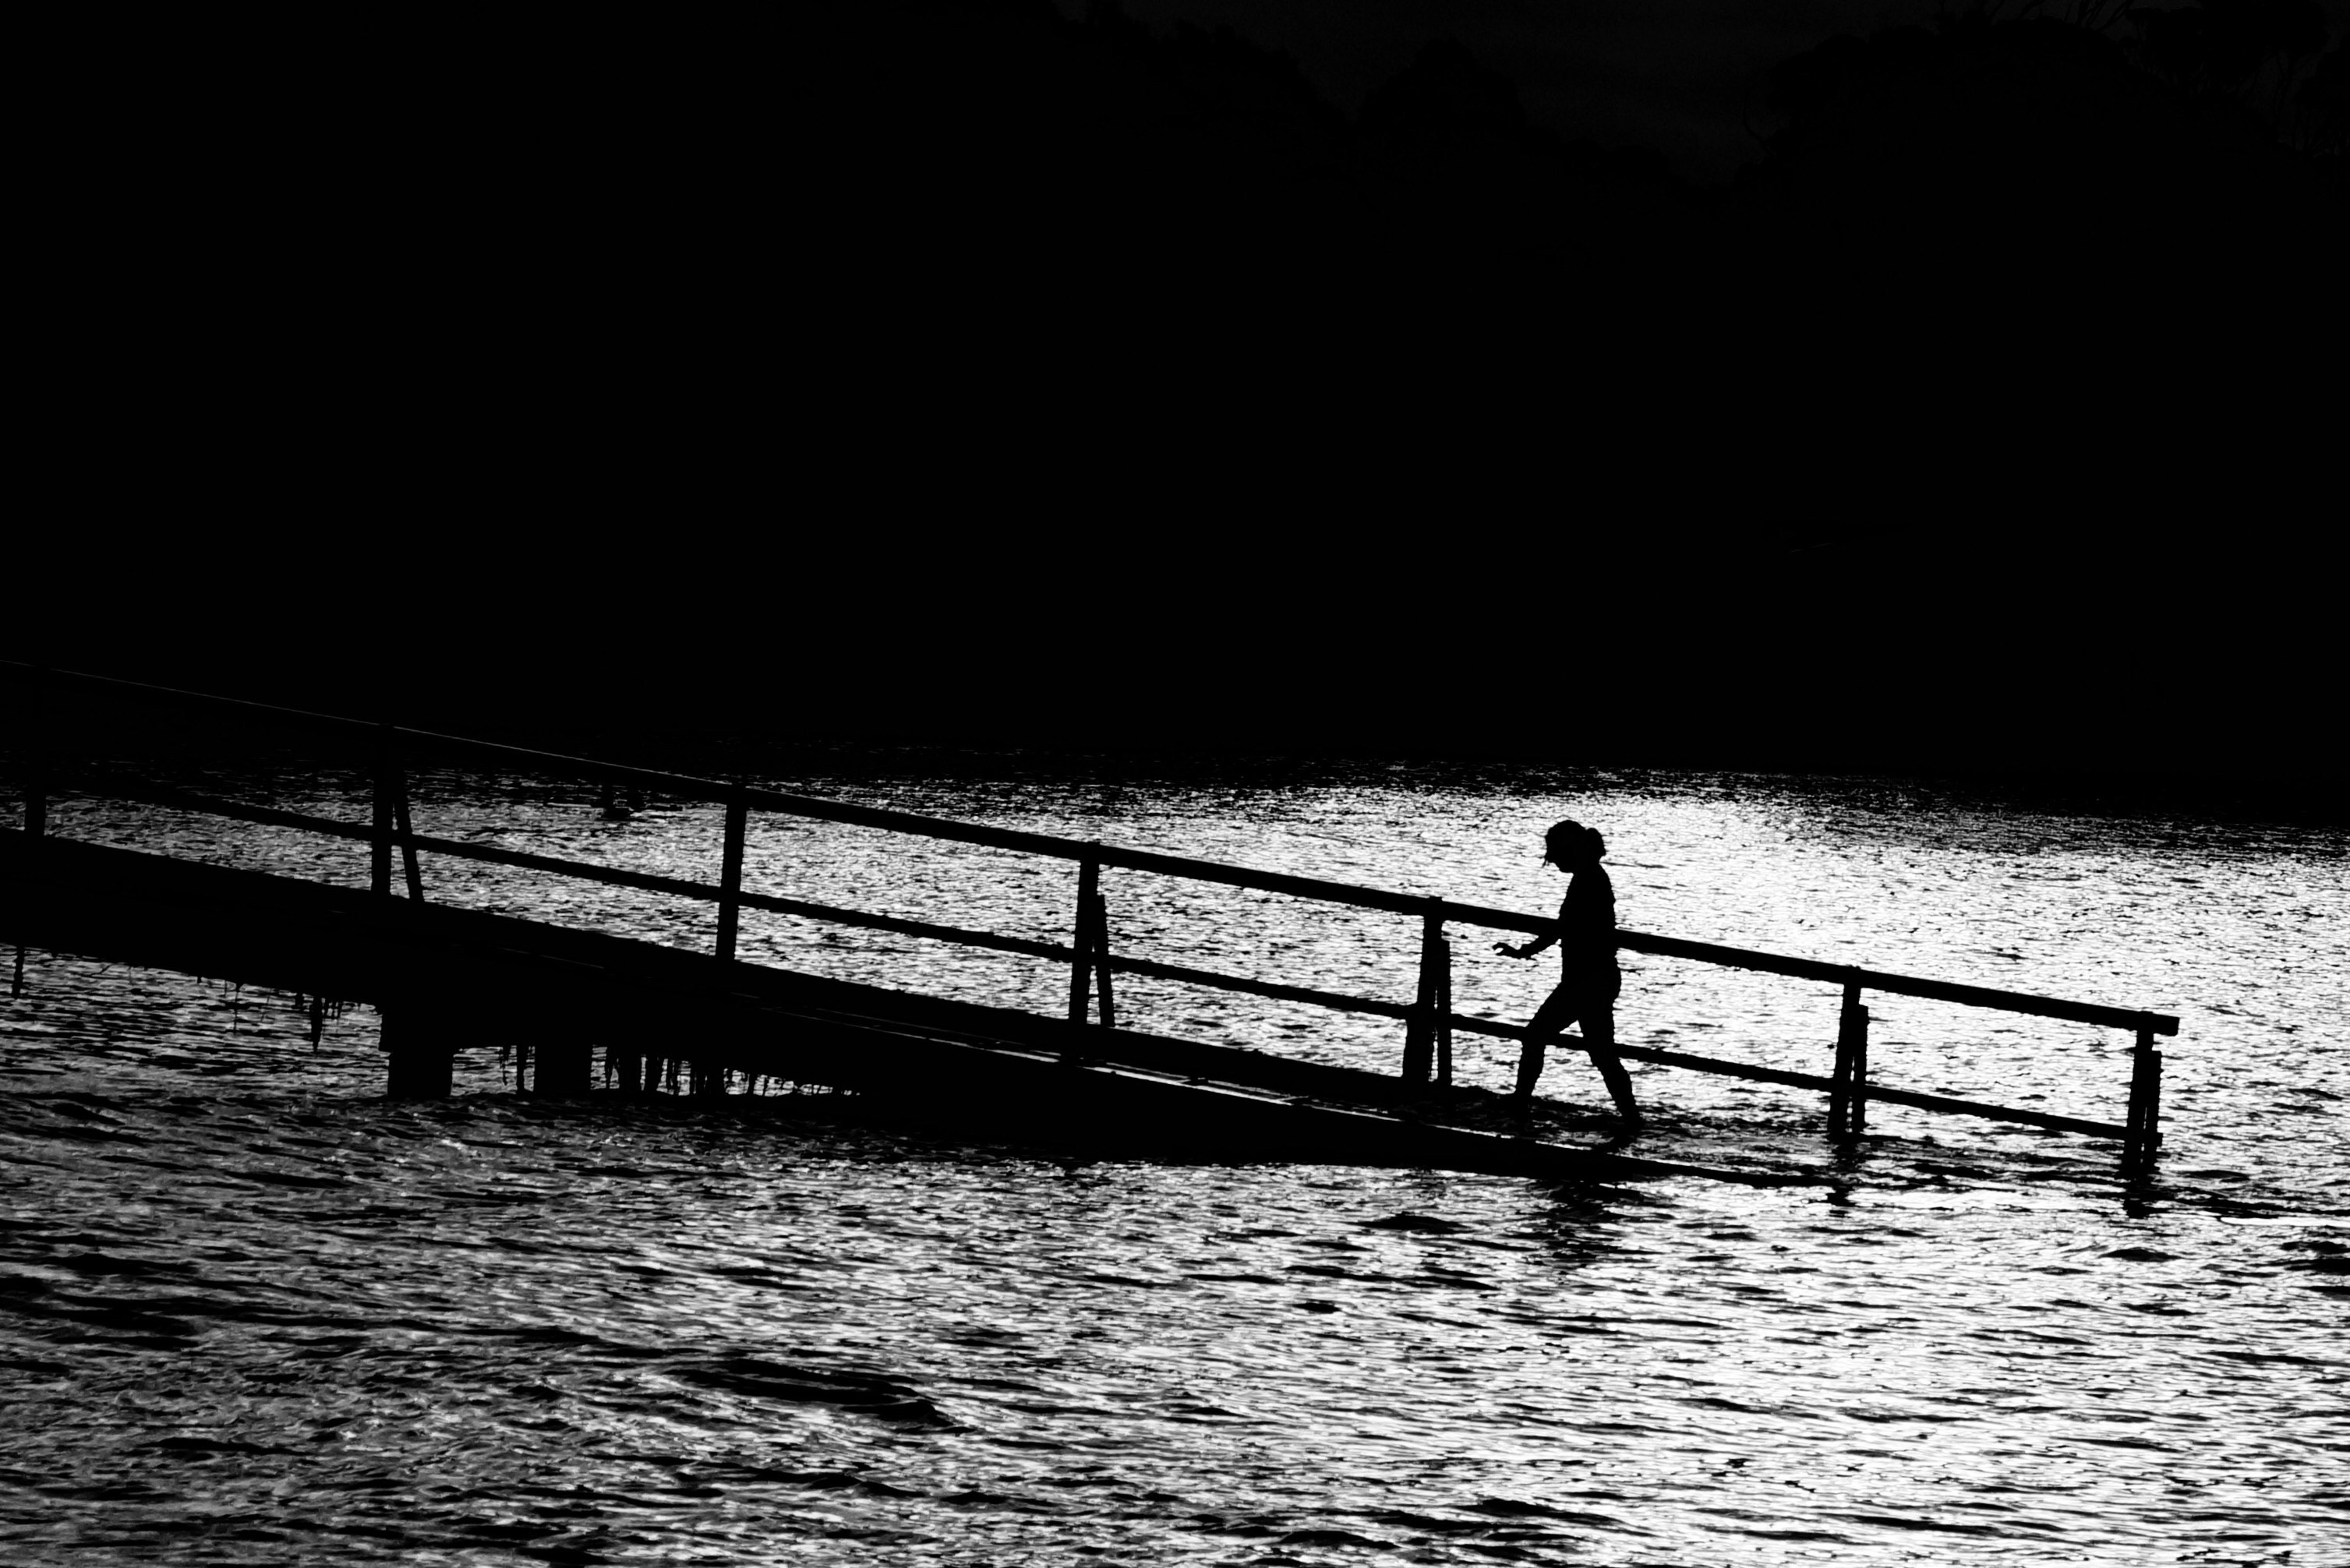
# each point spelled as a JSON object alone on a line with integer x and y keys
{"x": 1528, "y": 949}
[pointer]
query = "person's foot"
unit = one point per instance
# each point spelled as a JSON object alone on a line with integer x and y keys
{"x": 1626, "y": 1129}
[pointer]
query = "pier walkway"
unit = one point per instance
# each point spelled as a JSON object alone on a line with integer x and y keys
{"x": 658, "y": 1019}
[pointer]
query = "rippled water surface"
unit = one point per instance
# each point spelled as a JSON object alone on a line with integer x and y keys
{"x": 254, "y": 1313}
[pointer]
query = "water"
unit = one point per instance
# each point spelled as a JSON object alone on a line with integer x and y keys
{"x": 256, "y": 1315}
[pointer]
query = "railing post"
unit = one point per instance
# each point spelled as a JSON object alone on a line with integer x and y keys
{"x": 730, "y": 872}
{"x": 1419, "y": 1028}
{"x": 407, "y": 830}
{"x": 1443, "y": 1004}
{"x": 1428, "y": 1032}
{"x": 1101, "y": 960}
{"x": 1081, "y": 961}
{"x": 380, "y": 846}
{"x": 1840, "y": 1075}
{"x": 1859, "y": 1089}
{"x": 1848, "y": 1096}
{"x": 2142, "y": 1133}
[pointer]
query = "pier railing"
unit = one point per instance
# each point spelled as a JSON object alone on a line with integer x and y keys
{"x": 1428, "y": 1019}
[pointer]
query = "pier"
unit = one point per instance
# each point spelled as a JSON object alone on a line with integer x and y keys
{"x": 583, "y": 1006}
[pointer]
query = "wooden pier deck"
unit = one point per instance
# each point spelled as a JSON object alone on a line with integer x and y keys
{"x": 446, "y": 978}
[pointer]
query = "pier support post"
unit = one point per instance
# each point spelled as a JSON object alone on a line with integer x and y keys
{"x": 419, "y": 1059}
{"x": 2142, "y": 1131}
{"x": 564, "y": 1069}
{"x": 730, "y": 872}
{"x": 624, "y": 1070}
{"x": 1849, "y": 1099}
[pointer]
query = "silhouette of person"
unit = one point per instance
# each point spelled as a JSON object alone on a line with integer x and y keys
{"x": 1588, "y": 976}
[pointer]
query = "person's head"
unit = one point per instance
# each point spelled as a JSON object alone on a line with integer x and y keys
{"x": 1570, "y": 846}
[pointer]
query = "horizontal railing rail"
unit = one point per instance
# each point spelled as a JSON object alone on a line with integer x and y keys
{"x": 146, "y": 794}
{"x": 690, "y": 787}
{"x": 127, "y": 788}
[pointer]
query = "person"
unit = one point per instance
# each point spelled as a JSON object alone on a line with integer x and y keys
{"x": 1589, "y": 976}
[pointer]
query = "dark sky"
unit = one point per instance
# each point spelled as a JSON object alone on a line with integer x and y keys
{"x": 575, "y": 445}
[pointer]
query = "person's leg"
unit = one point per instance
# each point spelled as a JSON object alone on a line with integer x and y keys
{"x": 1531, "y": 1055}
{"x": 1598, "y": 1036}
{"x": 1553, "y": 1017}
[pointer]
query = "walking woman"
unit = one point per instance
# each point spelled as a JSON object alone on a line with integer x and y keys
{"x": 1589, "y": 978}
